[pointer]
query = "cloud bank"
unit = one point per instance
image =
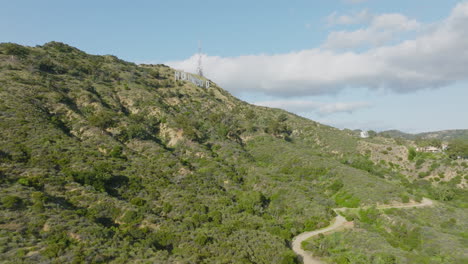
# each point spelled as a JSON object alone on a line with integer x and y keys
{"x": 382, "y": 29}
{"x": 432, "y": 59}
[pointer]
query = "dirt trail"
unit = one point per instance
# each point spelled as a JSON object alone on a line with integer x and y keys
{"x": 340, "y": 222}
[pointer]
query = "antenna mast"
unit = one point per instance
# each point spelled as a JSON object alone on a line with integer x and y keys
{"x": 199, "y": 65}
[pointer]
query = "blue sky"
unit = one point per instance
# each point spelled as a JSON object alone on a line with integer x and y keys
{"x": 372, "y": 64}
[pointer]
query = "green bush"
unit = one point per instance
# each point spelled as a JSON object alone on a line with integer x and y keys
{"x": 59, "y": 46}
{"x": 434, "y": 166}
{"x": 344, "y": 199}
{"x": 419, "y": 162}
{"x": 279, "y": 128}
{"x": 443, "y": 193}
{"x": 423, "y": 174}
{"x": 48, "y": 66}
{"x": 458, "y": 148}
{"x": 368, "y": 216}
{"x": 21, "y": 154}
{"x": 99, "y": 177}
{"x": 252, "y": 202}
{"x": 411, "y": 154}
{"x": 404, "y": 237}
{"x": 202, "y": 239}
{"x": 137, "y": 131}
{"x": 336, "y": 185}
{"x": 12, "y": 202}
{"x": 383, "y": 258}
{"x": 4, "y": 156}
{"x": 102, "y": 120}
{"x": 138, "y": 201}
{"x": 288, "y": 257}
{"x": 250, "y": 114}
{"x": 15, "y": 49}
{"x": 131, "y": 217}
{"x": 404, "y": 198}
{"x": 117, "y": 152}
{"x": 56, "y": 242}
{"x": 36, "y": 182}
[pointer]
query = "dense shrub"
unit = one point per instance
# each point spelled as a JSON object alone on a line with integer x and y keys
{"x": 102, "y": 119}
{"x": 131, "y": 217}
{"x": 344, "y": 199}
{"x": 99, "y": 177}
{"x": 411, "y": 154}
{"x": 458, "y": 148}
{"x": 15, "y": 49}
{"x": 12, "y": 202}
{"x": 4, "y": 156}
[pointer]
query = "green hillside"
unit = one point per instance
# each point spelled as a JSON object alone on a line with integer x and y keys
{"x": 106, "y": 161}
{"x": 445, "y": 135}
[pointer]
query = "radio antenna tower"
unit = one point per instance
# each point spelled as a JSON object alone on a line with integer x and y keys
{"x": 199, "y": 63}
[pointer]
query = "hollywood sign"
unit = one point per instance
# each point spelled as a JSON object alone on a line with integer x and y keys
{"x": 195, "y": 79}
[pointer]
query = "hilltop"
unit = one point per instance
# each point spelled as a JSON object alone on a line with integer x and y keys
{"x": 103, "y": 160}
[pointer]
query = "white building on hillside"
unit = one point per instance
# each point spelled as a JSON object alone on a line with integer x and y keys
{"x": 364, "y": 134}
{"x": 429, "y": 149}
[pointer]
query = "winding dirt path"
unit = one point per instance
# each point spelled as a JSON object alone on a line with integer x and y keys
{"x": 337, "y": 223}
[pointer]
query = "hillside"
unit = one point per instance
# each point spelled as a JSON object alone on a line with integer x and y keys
{"x": 103, "y": 160}
{"x": 445, "y": 135}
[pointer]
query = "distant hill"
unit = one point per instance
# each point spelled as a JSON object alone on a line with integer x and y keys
{"x": 106, "y": 161}
{"x": 397, "y": 134}
{"x": 445, "y": 135}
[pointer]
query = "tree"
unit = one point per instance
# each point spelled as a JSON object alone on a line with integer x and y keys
{"x": 458, "y": 148}
{"x": 443, "y": 193}
{"x": 99, "y": 177}
{"x": 372, "y": 133}
{"x": 433, "y": 142}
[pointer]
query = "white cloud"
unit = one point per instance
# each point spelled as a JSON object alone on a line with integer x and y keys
{"x": 394, "y": 22}
{"x": 376, "y": 125}
{"x": 433, "y": 59}
{"x": 361, "y": 17}
{"x": 304, "y": 106}
{"x": 342, "y": 107}
{"x": 382, "y": 29}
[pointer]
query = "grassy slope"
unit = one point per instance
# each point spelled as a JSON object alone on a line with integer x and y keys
{"x": 103, "y": 160}
{"x": 445, "y": 135}
{"x": 417, "y": 235}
